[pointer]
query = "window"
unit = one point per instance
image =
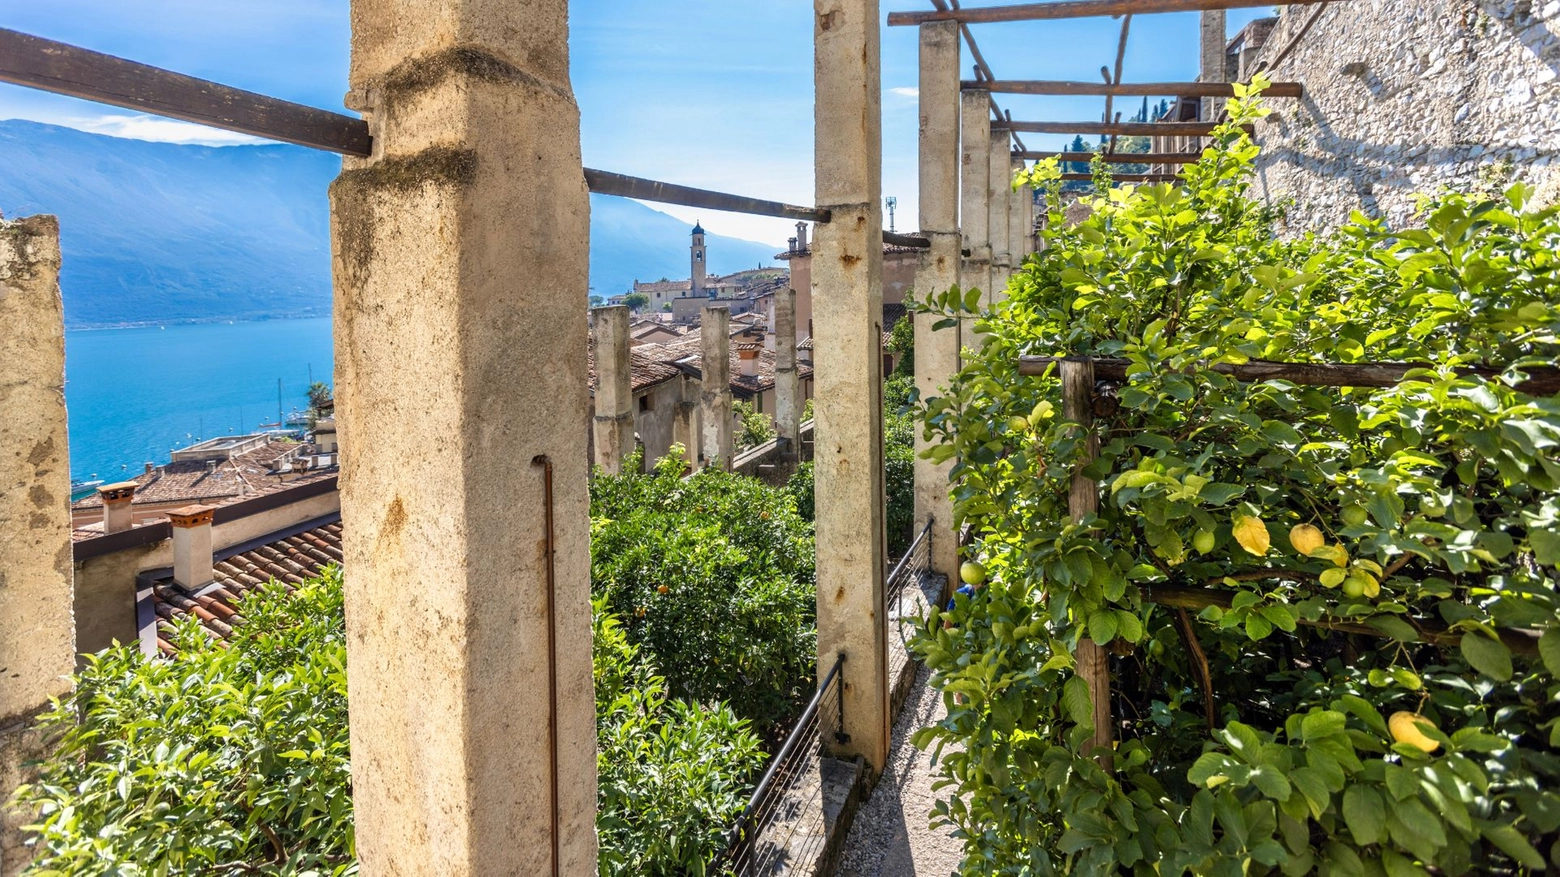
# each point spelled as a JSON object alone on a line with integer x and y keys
{"x": 645, "y": 404}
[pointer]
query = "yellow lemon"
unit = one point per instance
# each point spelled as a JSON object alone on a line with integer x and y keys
{"x": 1404, "y": 726}
{"x": 1252, "y": 535}
{"x": 972, "y": 573}
{"x": 1306, "y": 539}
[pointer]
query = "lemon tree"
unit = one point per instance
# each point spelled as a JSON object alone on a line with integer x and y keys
{"x": 1340, "y": 554}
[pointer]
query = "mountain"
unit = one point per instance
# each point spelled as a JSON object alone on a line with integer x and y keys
{"x": 164, "y": 233}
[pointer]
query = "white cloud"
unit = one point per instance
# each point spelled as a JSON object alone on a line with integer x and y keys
{"x": 904, "y": 91}
{"x": 159, "y": 130}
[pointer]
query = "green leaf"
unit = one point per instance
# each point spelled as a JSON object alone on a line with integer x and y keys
{"x": 1515, "y": 845}
{"x": 1102, "y": 626}
{"x": 1546, "y": 546}
{"x": 1395, "y": 627}
{"x": 1364, "y": 814}
{"x": 1075, "y": 699}
{"x": 1487, "y": 655}
{"x": 1208, "y": 766}
{"x": 1549, "y": 649}
{"x": 1322, "y": 723}
{"x": 1257, "y": 627}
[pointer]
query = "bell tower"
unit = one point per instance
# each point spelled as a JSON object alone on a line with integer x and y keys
{"x": 696, "y": 254}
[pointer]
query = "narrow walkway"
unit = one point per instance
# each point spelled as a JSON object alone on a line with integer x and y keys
{"x": 891, "y": 836}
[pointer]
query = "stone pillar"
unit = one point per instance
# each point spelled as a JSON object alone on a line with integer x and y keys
{"x": 1021, "y": 216}
{"x": 192, "y": 546}
{"x": 1211, "y": 66}
{"x": 847, "y": 276}
{"x": 460, "y": 261}
{"x": 999, "y": 211}
{"x": 975, "y": 190}
{"x": 613, "y": 426}
{"x": 116, "y": 498}
{"x": 37, "y": 625}
{"x": 715, "y": 415}
{"x": 788, "y": 384}
{"x": 685, "y": 420}
{"x": 937, "y": 352}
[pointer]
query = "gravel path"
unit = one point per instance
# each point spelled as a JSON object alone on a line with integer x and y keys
{"x": 890, "y": 836}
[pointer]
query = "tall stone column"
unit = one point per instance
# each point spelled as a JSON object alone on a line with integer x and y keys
{"x": 1021, "y": 216}
{"x": 999, "y": 211}
{"x": 614, "y": 421}
{"x": 788, "y": 384}
{"x": 974, "y": 195}
{"x": 715, "y": 447}
{"x": 1211, "y": 67}
{"x": 847, "y": 277}
{"x": 937, "y": 351}
{"x": 460, "y": 262}
{"x": 37, "y": 623}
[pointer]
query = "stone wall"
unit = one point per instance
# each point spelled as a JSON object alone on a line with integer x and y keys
{"x": 1408, "y": 96}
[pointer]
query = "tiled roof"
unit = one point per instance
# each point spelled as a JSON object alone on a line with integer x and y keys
{"x": 686, "y": 353}
{"x": 645, "y": 369}
{"x": 289, "y": 561}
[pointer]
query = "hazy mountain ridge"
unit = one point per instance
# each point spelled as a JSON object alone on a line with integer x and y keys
{"x": 162, "y": 233}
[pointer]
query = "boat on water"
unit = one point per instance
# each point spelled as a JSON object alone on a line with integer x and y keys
{"x": 83, "y": 489}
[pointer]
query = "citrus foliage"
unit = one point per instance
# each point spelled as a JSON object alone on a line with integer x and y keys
{"x": 712, "y": 576}
{"x": 1436, "y": 503}
{"x": 235, "y": 760}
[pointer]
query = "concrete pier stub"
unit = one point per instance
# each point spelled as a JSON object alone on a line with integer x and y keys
{"x": 460, "y": 258}
{"x": 788, "y": 384}
{"x": 715, "y": 445}
{"x": 1000, "y": 211}
{"x": 974, "y": 195}
{"x": 37, "y": 623}
{"x": 847, "y": 279}
{"x": 937, "y": 351}
{"x": 613, "y": 425}
{"x": 1211, "y": 64}
{"x": 1021, "y": 217}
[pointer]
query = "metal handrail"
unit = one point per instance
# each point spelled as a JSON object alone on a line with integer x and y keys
{"x": 924, "y": 536}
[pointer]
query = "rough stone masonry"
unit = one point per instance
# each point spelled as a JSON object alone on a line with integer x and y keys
{"x": 1407, "y": 97}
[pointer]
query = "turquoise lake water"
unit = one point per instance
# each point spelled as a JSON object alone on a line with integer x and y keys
{"x": 135, "y": 394}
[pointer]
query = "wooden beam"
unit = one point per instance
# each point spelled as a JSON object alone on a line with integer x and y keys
{"x": 1116, "y": 158}
{"x": 1542, "y": 380}
{"x": 65, "y": 69}
{"x": 608, "y": 183}
{"x": 1121, "y": 178}
{"x": 1129, "y": 89}
{"x": 1075, "y": 9}
{"x": 1125, "y": 129}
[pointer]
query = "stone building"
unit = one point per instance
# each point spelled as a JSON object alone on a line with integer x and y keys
{"x": 684, "y": 298}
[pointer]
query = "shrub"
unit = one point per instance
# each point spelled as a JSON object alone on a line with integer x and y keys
{"x": 235, "y": 760}
{"x": 713, "y": 578}
{"x": 757, "y": 429}
{"x": 1434, "y": 502}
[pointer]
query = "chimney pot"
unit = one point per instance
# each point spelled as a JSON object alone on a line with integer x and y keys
{"x": 117, "y": 515}
{"x": 150, "y": 466}
{"x": 192, "y": 546}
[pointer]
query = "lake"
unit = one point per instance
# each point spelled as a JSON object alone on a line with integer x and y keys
{"x": 133, "y": 395}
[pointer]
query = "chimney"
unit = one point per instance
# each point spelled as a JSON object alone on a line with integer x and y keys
{"x": 801, "y": 237}
{"x": 749, "y": 356}
{"x": 192, "y": 546}
{"x": 150, "y": 466}
{"x": 117, "y": 516}
{"x": 793, "y": 246}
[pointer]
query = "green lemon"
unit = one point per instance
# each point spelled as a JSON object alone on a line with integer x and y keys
{"x": 1203, "y": 541}
{"x": 972, "y": 573}
{"x": 1354, "y": 515}
{"x": 1354, "y": 586}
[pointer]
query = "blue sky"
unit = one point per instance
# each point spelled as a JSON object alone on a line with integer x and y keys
{"x": 708, "y": 93}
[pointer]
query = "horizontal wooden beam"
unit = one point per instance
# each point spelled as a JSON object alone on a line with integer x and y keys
{"x": 906, "y": 240}
{"x": 65, "y": 69}
{"x": 1115, "y": 157}
{"x": 1074, "y": 9}
{"x": 1123, "y": 129}
{"x": 608, "y": 183}
{"x": 1121, "y": 178}
{"x": 1127, "y": 89}
{"x": 1542, "y": 380}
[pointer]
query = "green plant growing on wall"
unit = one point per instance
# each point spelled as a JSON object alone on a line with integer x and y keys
{"x": 1369, "y": 686}
{"x": 235, "y": 760}
{"x": 757, "y": 429}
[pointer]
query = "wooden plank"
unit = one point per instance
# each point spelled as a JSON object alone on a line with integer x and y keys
{"x": 1125, "y": 129}
{"x": 1075, "y": 9}
{"x": 1121, "y": 178}
{"x": 608, "y": 183}
{"x": 1117, "y": 158}
{"x": 1127, "y": 89}
{"x": 1542, "y": 380}
{"x": 906, "y": 240}
{"x": 1083, "y": 499}
{"x": 65, "y": 69}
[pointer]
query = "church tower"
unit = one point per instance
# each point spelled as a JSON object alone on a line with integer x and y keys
{"x": 696, "y": 288}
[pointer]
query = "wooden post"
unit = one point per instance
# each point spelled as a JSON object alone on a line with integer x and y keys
{"x": 1082, "y": 500}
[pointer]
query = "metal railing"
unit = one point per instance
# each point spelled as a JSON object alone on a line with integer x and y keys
{"x": 906, "y": 575}
{"x": 775, "y": 829}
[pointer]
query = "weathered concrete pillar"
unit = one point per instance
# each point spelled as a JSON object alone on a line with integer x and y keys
{"x": 117, "y": 498}
{"x": 685, "y": 420}
{"x": 937, "y": 352}
{"x": 1021, "y": 216}
{"x": 37, "y": 625}
{"x": 613, "y": 426}
{"x": 788, "y": 384}
{"x": 847, "y": 276}
{"x": 715, "y": 446}
{"x": 975, "y": 192}
{"x": 460, "y": 262}
{"x": 999, "y": 211}
{"x": 1211, "y": 66}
